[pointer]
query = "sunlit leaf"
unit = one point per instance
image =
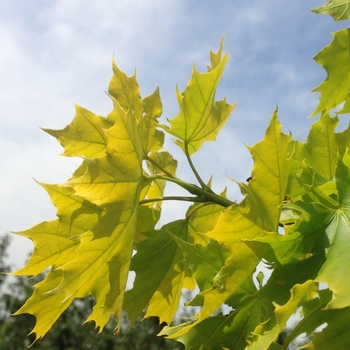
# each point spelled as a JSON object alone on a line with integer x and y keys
{"x": 259, "y": 212}
{"x": 44, "y": 305}
{"x": 264, "y": 259}
{"x": 126, "y": 91}
{"x": 84, "y": 136}
{"x": 204, "y": 261}
{"x": 220, "y": 332}
{"x": 153, "y": 138}
{"x": 319, "y": 151}
{"x": 321, "y": 146}
{"x": 334, "y": 58}
{"x": 200, "y": 117}
{"x": 335, "y": 268}
{"x": 160, "y": 274}
{"x": 299, "y": 293}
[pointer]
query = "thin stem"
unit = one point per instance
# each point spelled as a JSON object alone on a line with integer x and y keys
{"x": 159, "y": 166}
{"x": 199, "y": 179}
{"x": 171, "y": 198}
{"x": 301, "y": 324}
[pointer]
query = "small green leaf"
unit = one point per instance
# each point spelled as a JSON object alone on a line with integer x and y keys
{"x": 160, "y": 274}
{"x": 343, "y": 141}
{"x": 319, "y": 153}
{"x": 334, "y": 58}
{"x": 202, "y": 218}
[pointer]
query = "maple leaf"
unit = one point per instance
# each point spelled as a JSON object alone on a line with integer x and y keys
{"x": 160, "y": 274}
{"x": 200, "y": 118}
{"x": 259, "y": 212}
{"x": 299, "y": 293}
{"x": 84, "y": 136}
{"x": 334, "y": 269}
{"x": 334, "y": 58}
{"x": 319, "y": 151}
{"x": 89, "y": 247}
{"x": 220, "y": 332}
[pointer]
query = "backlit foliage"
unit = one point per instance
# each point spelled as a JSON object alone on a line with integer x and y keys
{"x": 108, "y": 210}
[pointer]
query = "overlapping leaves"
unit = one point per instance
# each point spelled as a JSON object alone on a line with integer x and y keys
{"x": 89, "y": 247}
{"x": 294, "y": 219}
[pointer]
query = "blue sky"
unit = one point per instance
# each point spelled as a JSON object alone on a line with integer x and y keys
{"x": 57, "y": 53}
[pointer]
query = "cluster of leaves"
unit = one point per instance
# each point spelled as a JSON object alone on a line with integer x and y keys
{"x": 68, "y": 332}
{"x": 294, "y": 218}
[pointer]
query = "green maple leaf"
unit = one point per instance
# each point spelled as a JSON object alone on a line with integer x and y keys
{"x": 338, "y": 9}
{"x": 259, "y": 212}
{"x": 220, "y": 332}
{"x": 321, "y": 146}
{"x": 282, "y": 313}
{"x": 153, "y": 138}
{"x": 336, "y": 334}
{"x": 202, "y": 218}
{"x": 126, "y": 91}
{"x": 334, "y": 58}
{"x": 200, "y": 118}
{"x": 319, "y": 151}
{"x": 56, "y": 242}
{"x": 160, "y": 274}
{"x": 89, "y": 247}
{"x": 335, "y": 267}
{"x": 343, "y": 141}
{"x": 84, "y": 136}
{"x": 45, "y": 305}
{"x": 204, "y": 261}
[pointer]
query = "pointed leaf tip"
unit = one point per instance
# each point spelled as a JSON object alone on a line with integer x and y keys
{"x": 200, "y": 117}
{"x": 338, "y": 9}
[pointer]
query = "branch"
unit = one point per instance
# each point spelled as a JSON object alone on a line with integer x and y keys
{"x": 195, "y": 190}
{"x": 194, "y": 170}
{"x": 171, "y": 198}
{"x": 163, "y": 170}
